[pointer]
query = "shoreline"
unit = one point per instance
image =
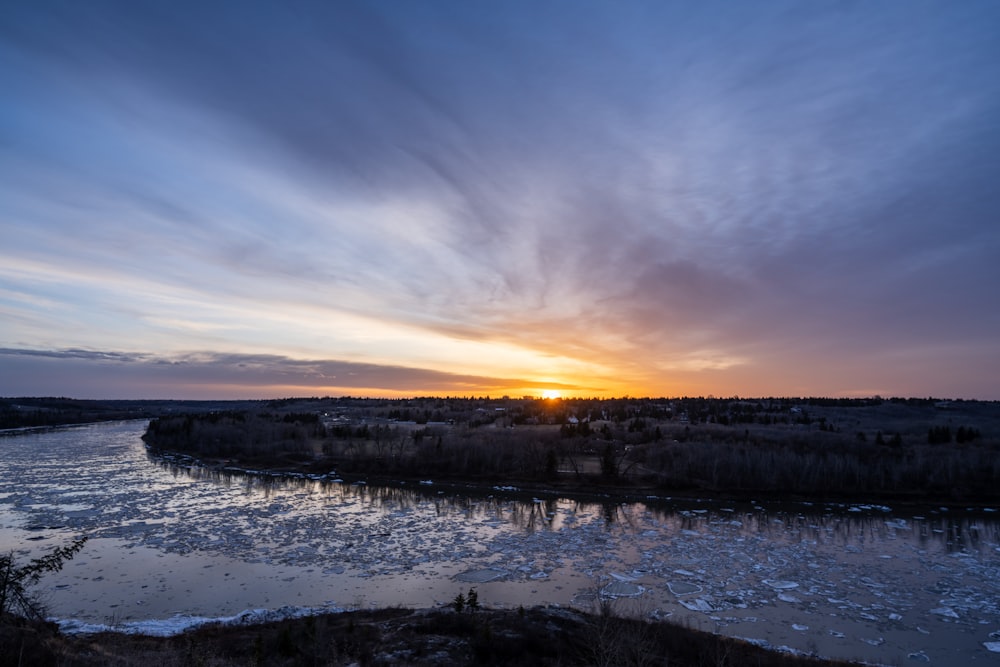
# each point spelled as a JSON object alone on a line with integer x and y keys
{"x": 537, "y": 635}
{"x": 598, "y": 492}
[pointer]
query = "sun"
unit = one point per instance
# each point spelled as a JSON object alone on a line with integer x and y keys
{"x": 551, "y": 393}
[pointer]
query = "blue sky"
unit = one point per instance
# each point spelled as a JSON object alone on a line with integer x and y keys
{"x": 395, "y": 198}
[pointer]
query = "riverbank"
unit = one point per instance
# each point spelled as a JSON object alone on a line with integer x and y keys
{"x": 888, "y": 454}
{"x": 592, "y": 488}
{"x": 527, "y": 636}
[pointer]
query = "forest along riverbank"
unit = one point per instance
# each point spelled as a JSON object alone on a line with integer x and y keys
{"x": 854, "y": 581}
{"x": 820, "y": 449}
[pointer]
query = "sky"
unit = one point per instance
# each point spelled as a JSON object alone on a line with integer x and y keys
{"x": 727, "y": 198}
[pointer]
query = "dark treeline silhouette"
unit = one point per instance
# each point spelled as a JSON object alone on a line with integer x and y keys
{"x": 244, "y": 434}
{"x": 833, "y": 448}
{"x": 836, "y": 470}
{"x": 36, "y": 412}
{"x": 39, "y": 412}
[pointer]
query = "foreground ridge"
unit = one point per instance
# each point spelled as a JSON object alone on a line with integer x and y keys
{"x": 397, "y": 636}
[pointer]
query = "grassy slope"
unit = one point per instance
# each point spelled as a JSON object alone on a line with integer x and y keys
{"x": 538, "y": 636}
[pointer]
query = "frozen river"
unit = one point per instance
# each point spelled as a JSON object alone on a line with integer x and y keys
{"x": 168, "y": 544}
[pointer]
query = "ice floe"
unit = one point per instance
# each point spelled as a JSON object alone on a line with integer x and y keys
{"x": 947, "y": 612}
{"x": 698, "y": 604}
{"x": 481, "y": 576}
{"x": 683, "y": 587}
{"x": 622, "y": 589}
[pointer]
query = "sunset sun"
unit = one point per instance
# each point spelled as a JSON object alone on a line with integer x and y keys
{"x": 551, "y": 393}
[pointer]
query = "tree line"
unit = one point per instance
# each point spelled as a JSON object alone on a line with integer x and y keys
{"x": 646, "y": 450}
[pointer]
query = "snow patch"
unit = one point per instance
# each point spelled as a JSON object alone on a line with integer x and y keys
{"x": 180, "y": 623}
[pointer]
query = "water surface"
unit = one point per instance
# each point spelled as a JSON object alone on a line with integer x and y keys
{"x": 850, "y": 581}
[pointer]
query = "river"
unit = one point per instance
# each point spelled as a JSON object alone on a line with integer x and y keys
{"x": 170, "y": 545}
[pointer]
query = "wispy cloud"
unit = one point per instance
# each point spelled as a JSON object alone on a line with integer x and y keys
{"x": 647, "y": 198}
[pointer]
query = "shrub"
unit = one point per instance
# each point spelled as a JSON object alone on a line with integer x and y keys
{"x": 15, "y": 580}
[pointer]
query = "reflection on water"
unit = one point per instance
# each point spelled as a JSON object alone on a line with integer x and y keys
{"x": 835, "y": 523}
{"x": 853, "y": 581}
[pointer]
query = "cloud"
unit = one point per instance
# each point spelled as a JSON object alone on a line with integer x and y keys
{"x": 619, "y": 191}
{"x": 212, "y": 375}
{"x": 89, "y": 355}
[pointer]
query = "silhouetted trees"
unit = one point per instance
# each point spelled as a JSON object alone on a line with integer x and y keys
{"x": 838, "y": 448}
{"x": 15, "y": 580}
{"x": 232, "y": 434}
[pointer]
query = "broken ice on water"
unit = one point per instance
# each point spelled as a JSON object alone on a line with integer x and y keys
{"x": 841, "y": 573}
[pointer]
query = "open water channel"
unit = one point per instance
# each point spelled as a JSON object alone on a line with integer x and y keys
{"x": 171, "y": 546}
